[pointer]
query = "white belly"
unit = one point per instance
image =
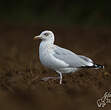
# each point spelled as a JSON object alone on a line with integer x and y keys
{"x": 67, "y": 70}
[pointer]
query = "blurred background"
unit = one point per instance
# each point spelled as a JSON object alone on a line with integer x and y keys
{"x": 79, "y": 25}
{"x": 56, "y": 12}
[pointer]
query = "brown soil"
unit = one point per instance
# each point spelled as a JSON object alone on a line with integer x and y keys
{"x": 21, "y": 87}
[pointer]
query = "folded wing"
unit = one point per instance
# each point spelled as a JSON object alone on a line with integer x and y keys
{"x": 74, "y": 60}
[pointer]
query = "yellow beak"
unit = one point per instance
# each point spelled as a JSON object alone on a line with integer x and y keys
{"x": 36, "y": 37}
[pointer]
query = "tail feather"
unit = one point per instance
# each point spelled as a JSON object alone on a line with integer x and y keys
{"x": 94, "y": 66}
{"x": 98, "y": 66}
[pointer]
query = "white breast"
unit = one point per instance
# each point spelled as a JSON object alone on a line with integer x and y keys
{"x": 47, "y": 58}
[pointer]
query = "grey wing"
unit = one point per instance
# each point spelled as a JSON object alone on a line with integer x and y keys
{"x": 69, "y": 57}
{"x": 86, "y": 59}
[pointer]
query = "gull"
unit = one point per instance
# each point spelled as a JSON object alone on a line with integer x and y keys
{"x": 60, "y": 59}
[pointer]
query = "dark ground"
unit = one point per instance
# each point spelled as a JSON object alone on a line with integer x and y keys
{"x": 21, "y": 70}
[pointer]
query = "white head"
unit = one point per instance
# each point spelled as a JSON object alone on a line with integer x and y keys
{"x": 46, "y": 36}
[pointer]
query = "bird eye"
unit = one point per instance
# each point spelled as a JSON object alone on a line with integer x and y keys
{"x": 46, "y": 34}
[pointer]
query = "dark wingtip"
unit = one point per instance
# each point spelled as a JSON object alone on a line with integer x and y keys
{"x": 93, "y": 66}
{"x": 98, "y": 66}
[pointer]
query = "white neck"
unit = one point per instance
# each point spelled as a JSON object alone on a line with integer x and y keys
{"x": 48, "y": 41}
